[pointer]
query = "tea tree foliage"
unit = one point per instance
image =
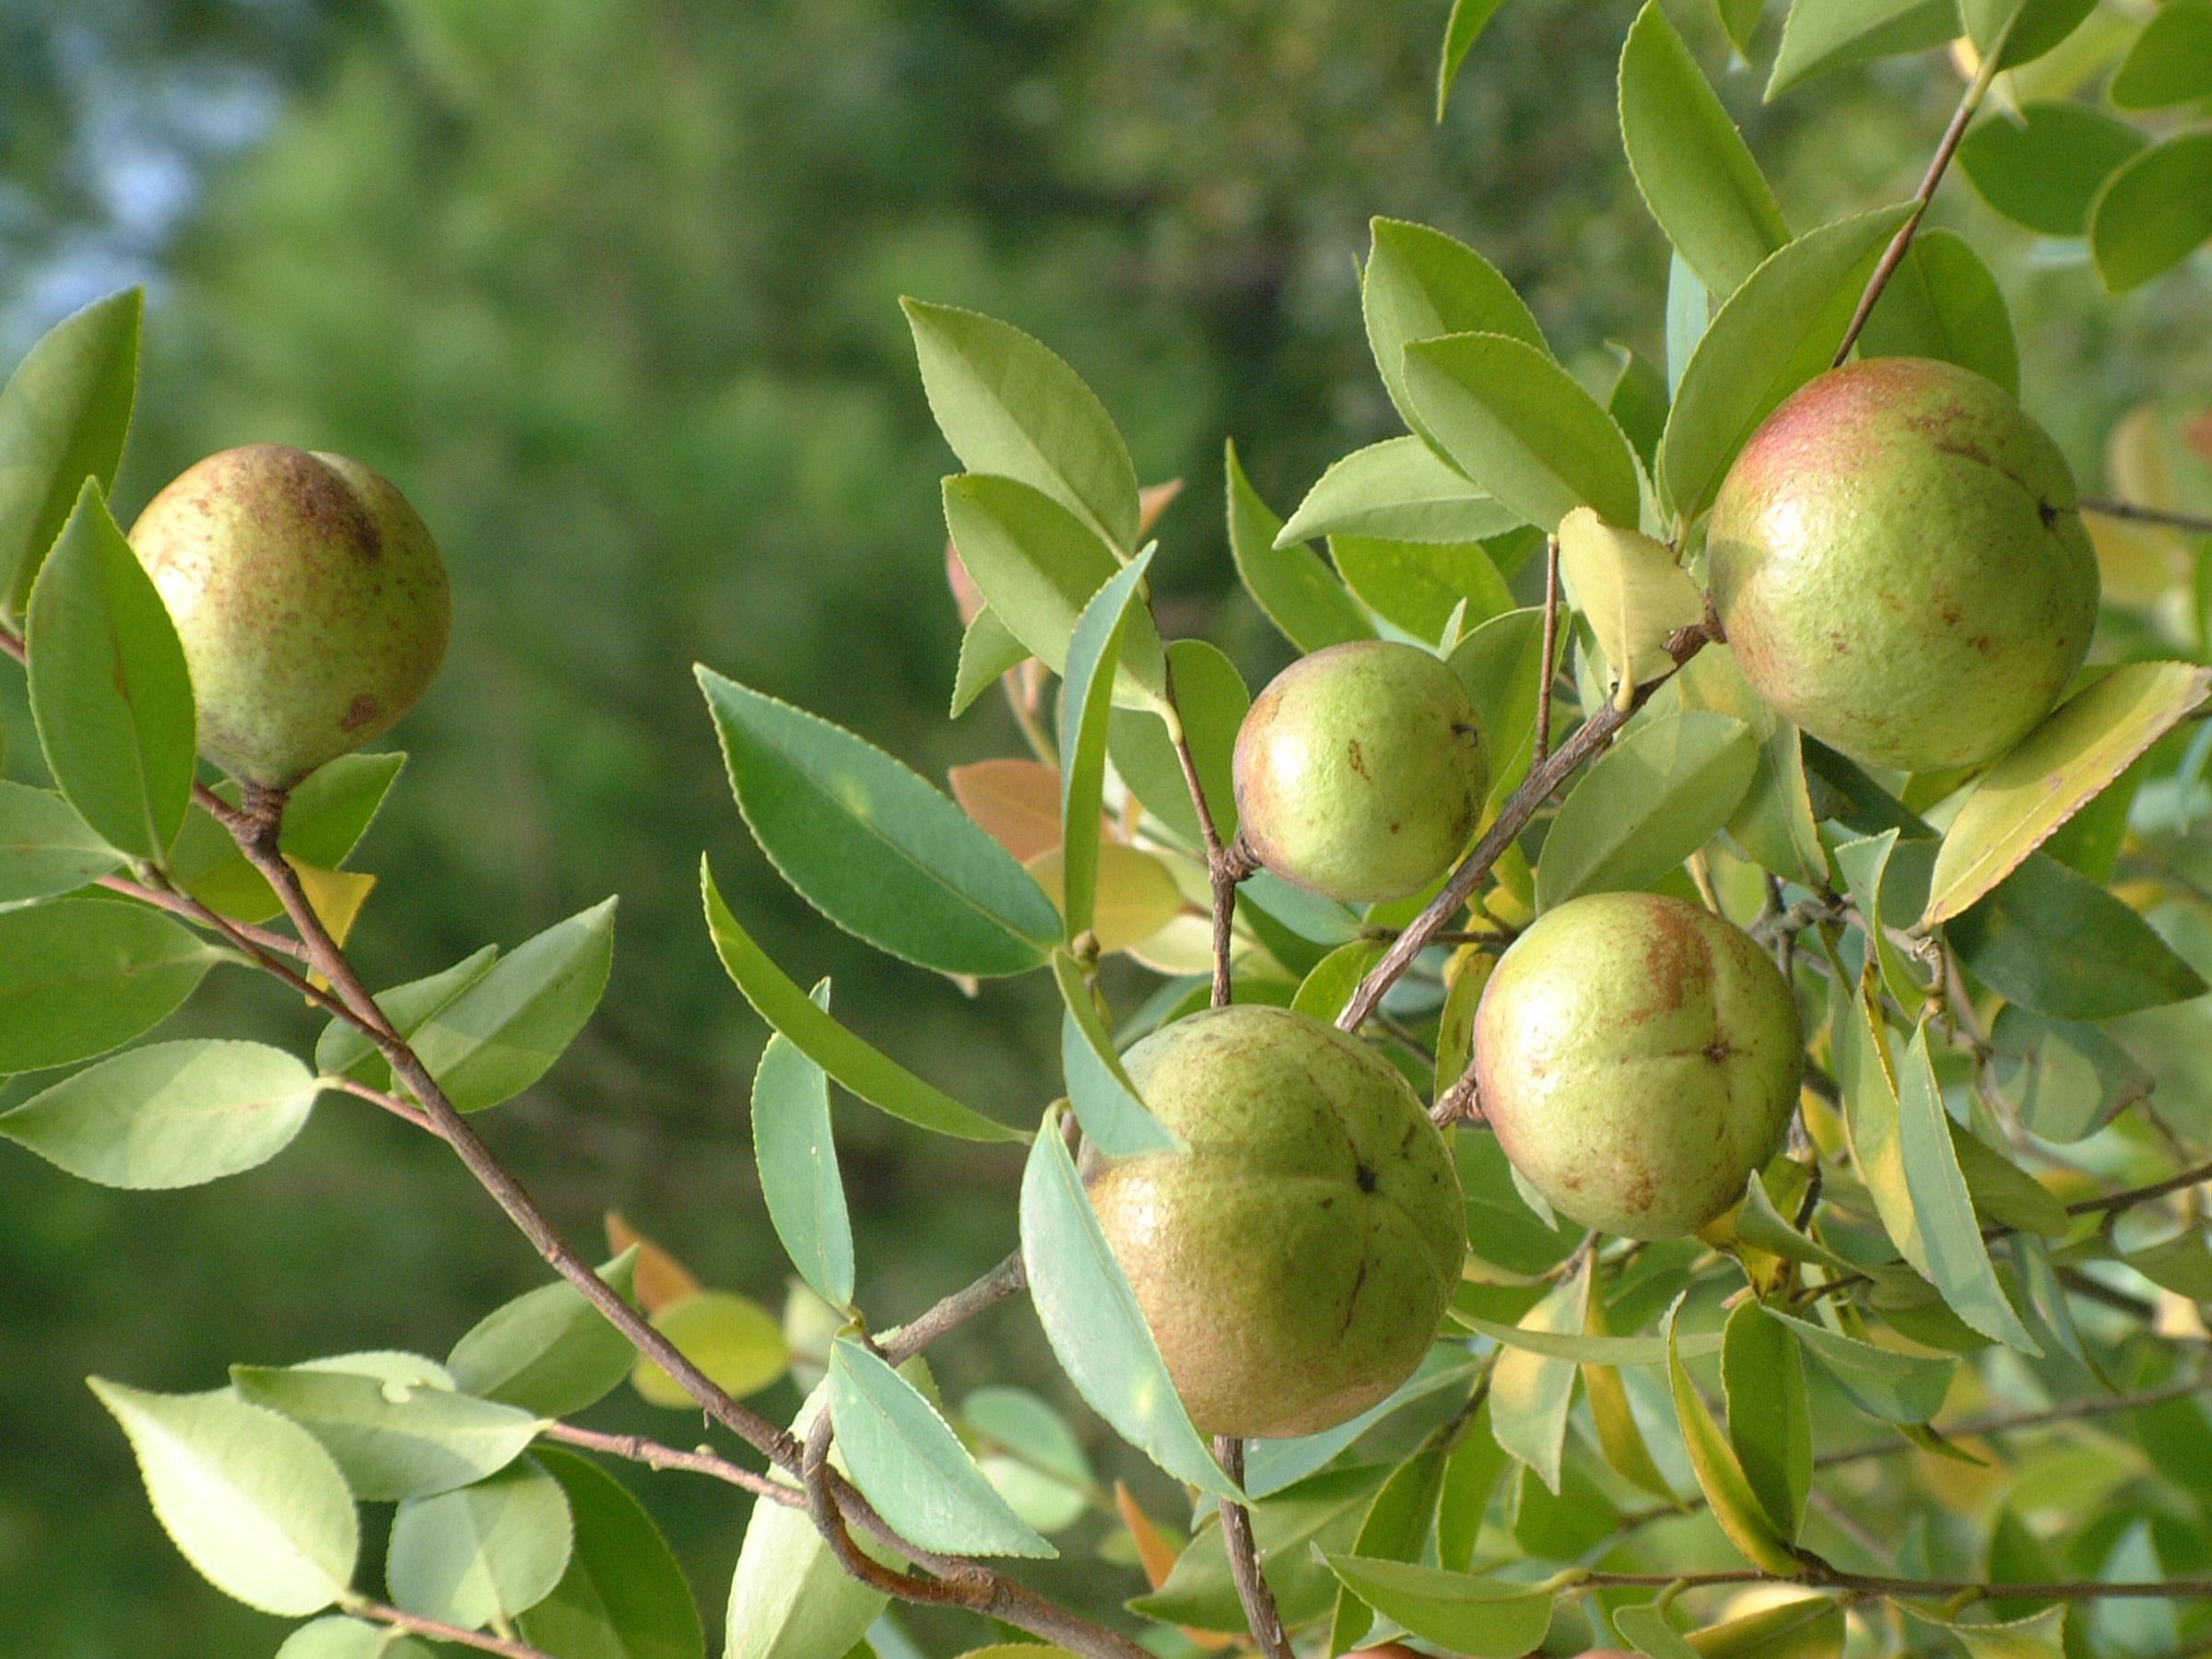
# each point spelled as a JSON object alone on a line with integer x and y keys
{"x": 1885, "y": 1180}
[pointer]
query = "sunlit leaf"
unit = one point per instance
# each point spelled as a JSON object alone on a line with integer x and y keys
{"x": 480, "y": 1554}
{"x": 1400, "y": 489}
{"x": 1420, "y": 283}
{"x": 1770, "y": 1417}
{"x": 796, "y": 1154}
{"x": 737, "y": 1342}
{"x": 1944, "y": 303}
{"x": 1093, "y": 651}
{"x": 392, "y": 1440}
{"x": 1480, "y": 1617}
{"x": 1631, "y": 590}
{"x": 1532, "y": 1393}
{"x": 1296, "y": 590}
{"x": 1720, "y": 1476}
{"x": 548, "y": 1350}
{"x": 1651, "y": 801}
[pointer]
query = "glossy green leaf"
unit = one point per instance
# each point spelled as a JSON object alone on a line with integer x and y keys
{"x": 1395, "y": 1529}
{"x": 2053, "y": 772}
{"x": 1008, "y": 405}
{"x": 1462, "y": 29}
{"x": 1944, "y": 303}
{"x": 81, "y": 976}
{"x": 1296, "y": 590}
{"x": 1523, "y": 428}
{"x": 1695, "y": 172}
{"x": 1212, "y": 701}
{"x": 392, "y": 1440}
{"x": 1502, "y": 664}
{"x": 1632, "y": 590}
{"x": 1480, "y": 1617}
{"x": 248, "y": 1498}
{"x": 1114, "y": 1115}
{"x": 796, "y": 1154}
{"x": 1419, "y": 587}
{"x": 1091, "y": 1318}
{"x": 328, "y": 813}
{"x": 1325, "y": 990}
{"x": 1770, "y": 1415}
{"x": 170, "y": 1114}
{"x": 480, "y": 1554}
{"x": 737, "y": 1342}
{"x": 1093, "y": 651}
{"x": 623, "y": 1597}
{"x": 1773, "y": 825}
{"x": 1637, "y": 402}
{"x": 857, "y": 1067}
{"x": 63, "y": 416}
{"x": 549, "y": 1351}
{"x": 1471, "y": 1476}
{"x": 1720, "y": 1476}
{"x": 507, "y": 1027}
{"x": 2154, "y": 211}
{"x": 2058, "y": 943}
{"x": 987, "y": 650}
{"x": 1420, "y": 283}
{"x": 2170, "y": 62}
{"x": 46, "y": 846}
{"x": 1896, "y": 1387}
{"x": 1774, "y": 334}
{"x": 1645, "y": 1629}
{"x": 910, "y": 1464}
{"x": 2064, "y": 1079}
{"x": 1583, "y": 1347}
{"x": 873, "y": 846}
{"x": 2038, "y": 1636}
{"x": 109, "y": 687}
{"x": 1821, "y": 35}
{"x": 1399, "y": 489}
{"x": 336, "y": 1638}
{"x": 1531, "y": 1394}
{"x": 2043, "y": 168}
{"x": 342, "y": 1050}
{"x": 1652, "y": 800}
{"x": 2022, "y": 30}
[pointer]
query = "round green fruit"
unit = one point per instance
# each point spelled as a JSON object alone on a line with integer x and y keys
{"x": 1898, "y": 563}
{"x": 1294, "y": 1260}
{"x": 1638, "y": 1058}
{"x": 309, "y": 597}
{"x": 1360, "y": 772}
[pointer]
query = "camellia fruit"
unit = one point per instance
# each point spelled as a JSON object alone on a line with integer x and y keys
{"x": 1638, "y": 1057}
{"x": 1360, "y": 772}
{"x": 309, "y": 597}
{"x": 1900, "y": 566}
{"x": 1294, "y": 1257}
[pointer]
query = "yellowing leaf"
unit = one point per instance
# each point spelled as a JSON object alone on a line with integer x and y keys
{"x": 2054, "y": 772}
{"x": 336, "y": 897}
{"x": 1631, "y": 590}
{"x": 2140, "y": 564}
{"x": 1136, "y": 895}
{"x": 1016, "y": 801}
{"x": 737, "y": 1342}
{"x": 1718, "y": 1472}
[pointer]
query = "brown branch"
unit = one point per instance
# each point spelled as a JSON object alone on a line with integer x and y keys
{"x": 1894, "y": 254}
{"x": 1004, "y": 1280}
{"x": 1253, "y": 1589}
{"x": 2114, "y": 1202}
{"x": 2197, "y": 523}
{"x": 1549, "y": 671}
{"x": 181, "y": 904}
{"x": 376, "y": 1612}
{"x": 1868, "y": 1583}
{"x": 390, "y": 1102}
{"x": 637, "y": 1449}
{"x": 1591, "y": 735}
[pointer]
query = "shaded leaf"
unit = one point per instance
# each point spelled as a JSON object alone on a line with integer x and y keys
{"x": 343, "y": 1050}
{"x": 392, "y": 1439}
{"x": 623, "y": 1596}
{"x": 1895, "y": 1387}
{"x": 1085, "y": 703}
{"x": 549, "y": 1351}
{"x": 1770, "y": 1417}
{"x": 1654, "y": 798}
{"x": 1462, "y": 29}
{"x": 2170, "y": 62}
{"x": 1295, "y": 590}
{"x": 1944, "y": 303}
{"x": 2044, "y": 169}
{"x": 46, "y": 846}
{"x": 480, "y": 1554}
{"x": 1419, "y": 586}
{"x": 1479, "y": 1618}
{"x": 81, "y": 976}
{"x": 1821, "y": 35}
{"x": 1211, "y": 700}
{"x": 1502, "y": 664}
{"x": 988, "y": 651}
{"x": 1531, "y": 1393}
{"x": 2154, "y": 211}
{"x": 2058, "y": 943}
{"x": 1720, "y": 1476}
{"x": 2064, "y": 1079}
{"x": 1114, "y": 1115}
{"x": 735, "y": 1340}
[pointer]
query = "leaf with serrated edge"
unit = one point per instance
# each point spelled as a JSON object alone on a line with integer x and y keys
{"x": 481, "y": 1554}
{"x": 1631, "y": 589}
{"x": 797, "y": 1155}
{"x": 1084, "y": 705}
{"x": 1480, "y": 1617}
{"x": 548, "y": 1350}
{"x": 624, "y": 1595}
{"x": 1292, "y": 587}
{"x": 1400, "y": 488}
{"x": 1115, "y": 1116}
{"x": 391, "y": 1440}
{"x": 1722, "y": 1477}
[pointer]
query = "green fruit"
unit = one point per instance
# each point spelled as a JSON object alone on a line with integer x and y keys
{"x": 1638, "y": 1058}
{"x": 1360, "y": 772}
{"x": 1295, "y": 1260}
{"x": 1900, "y": 567}
{"x": 310, "y": 601}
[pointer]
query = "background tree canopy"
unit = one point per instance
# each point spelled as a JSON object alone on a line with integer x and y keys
{"x": 610, "y": 289}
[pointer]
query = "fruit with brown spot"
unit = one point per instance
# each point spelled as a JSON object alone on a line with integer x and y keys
{"x": 309, "y": 597}
{"x": 1294, "y": 1261}
{"x": 1638, "y": 1057}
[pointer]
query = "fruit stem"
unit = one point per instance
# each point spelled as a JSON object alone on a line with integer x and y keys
{"x": 1548, "y": 671}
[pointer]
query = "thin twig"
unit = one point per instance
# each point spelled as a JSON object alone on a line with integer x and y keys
{"x": 2195, "y": 522}
{"x": 180, "y": 905}
{"x": 1253, "y": 1589}
{"x": 2114, "y": 1202}
{"x": 1004, "y": 1280}
{"x": 1549, "y": 670}
{"x": 415, "y": 1625}
{"x": 1867, "y": 1583}
{"x": 390, "y": 1102}
{"x": 637, "y": 1449}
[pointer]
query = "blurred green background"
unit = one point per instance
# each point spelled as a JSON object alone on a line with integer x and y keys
{"x": 609, "y": 287}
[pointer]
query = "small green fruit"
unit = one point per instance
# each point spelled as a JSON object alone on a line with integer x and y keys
{"x": 1638, "y": 1058}
{"x": 309, "y": 597}
{"x": 1295, "y": 1262}
{"x": 1360, "y": 772}
{"x": 1897, "y": 561}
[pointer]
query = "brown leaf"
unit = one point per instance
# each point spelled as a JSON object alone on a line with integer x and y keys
{"x": 661, "y": 1279}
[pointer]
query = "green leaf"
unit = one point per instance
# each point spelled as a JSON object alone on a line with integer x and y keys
{"x": 2054, "y": 772}
{"x": 1091, "y": 1318}
{"x": 343, "y": 1051}
{"x": 1471, "y": 1476}
{"x": 737, "y": 1342}
{"x": 1775, "y": 824}
{"x": 1324, "y": 1512}
{"x": 1292, "y": 587}
{"x": 1720, "y": 1476}
{"x": 2056, "y": 942}
{"x": 1461, "y": 30}
{"x": 2154, "y": 211}
{"x": 1637, "y": 402}
{"x": 505, "y": 1030}
{"x": 987, "y": 652}
{"x": 1399, "y": 489}
{"x": 2038, "y": 1636}
{"x": 2004, "y": 1194}
{"x": 2044, "y": 170}
{"x": 1330, "y": 983}
{"x": 1085, "y": 703}
{"x": 1770, "y": 1417}
{"x": 1115, "y": 1117}
{"x": 1420, "y": 284}
{"x": 878, "y": 850}
{"x": 1651, "y": 801}
{"x": 1688, "y": 315}
{"x": 109, "y": 687}
{"x": 1531, "y": 1394}
{"x": 1523, "y": 429}
{"x": 1618, "y": 1437}
{"x": 2027, "y": 28}
{"x": 1774, "y": 334}
{"x": 1271, "y": 1465}
{"x": 1739, "y": 21}
{"x": 2064, "y": 1079}
{"x": 1395, "y": 1529}
{"x": 909, "y": 1463}
{"x": 1895, "y": 1387}
{"x": 623, "y": 1596}
{"x": 1502, "y": 664}
{"x": 336, "y": 1638}
{"x": 250, "y": 1499}
{"x": 547, "y": 1351}
{"x": 64, "y": 415}
{"x": 46, "y": 846}
{"x": 1479, "y": 1618}
{"x": 1418, "y": 587}
{"x": 170, "y": 1114}
{"x": 1646, "y": 1630}
{"x": 1691, "y": 164}
{"x": 1030, "y": 1456}
{"x": 1008, "y": 405}
{"x": 1821, "y": 35}
{"x": 1633, "y": 593}
{"x": 1212, "y": 701}
{"x": 81, "y": 976}
{"x": 1039, "y": 567}
{"x": 2170, "y": 62}
{"x": 1809, "y": 1628}
{"x": 480, "y": 1554}
{"x": 392, "y": 1440}
{"x": 1583, "y": 1348}
{"x": 797, "y": 1153}
{"x": 1864, "y": 865}
{"x": 877, "y": 1079}
{"x": 1943, "y": 303}
{"x": 328, "y": 813}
